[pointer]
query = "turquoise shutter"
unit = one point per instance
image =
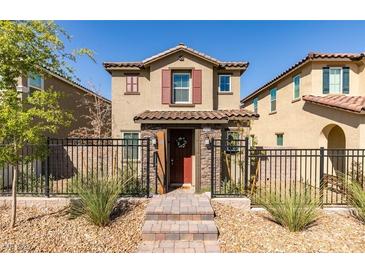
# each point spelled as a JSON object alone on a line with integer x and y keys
{"x": 326, "y": 80}
{"x": 345, "y": 80}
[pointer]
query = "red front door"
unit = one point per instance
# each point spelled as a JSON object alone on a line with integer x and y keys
{"x": 180, "y": 156}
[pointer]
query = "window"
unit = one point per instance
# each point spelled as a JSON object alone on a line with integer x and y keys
{"x": 336, "y": 80}
{"x": 296, "y": 87}
{"x": 181, "y": 87}
{"x": 279, "y": 139}
{"x": 224, "y": 83}
{"x": 131, "y": 145}
{"x": 255, "y": 104}
{"x": 132, "y": 83}
{"x": 35, "y": 82}
{"x": 273, "y": 100}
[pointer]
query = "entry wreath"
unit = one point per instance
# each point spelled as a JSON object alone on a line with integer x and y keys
{"x": 181, "y": 142}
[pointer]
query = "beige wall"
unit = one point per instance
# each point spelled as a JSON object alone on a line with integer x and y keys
{"x": 302, "y": 123}
{"x": 125, "y": 107}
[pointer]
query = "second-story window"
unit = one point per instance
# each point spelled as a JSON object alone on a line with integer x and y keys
{"x": 132, "y": 83}
{"x": 181, "y": 87}
{"x": 273, "y": 100}
{"x": 255, "y": 102}
{"x": 224, "y": 83}
{"x": 296, "y": 87}
{"x": 336, "y": 80}
{"x": 35, "y": 82}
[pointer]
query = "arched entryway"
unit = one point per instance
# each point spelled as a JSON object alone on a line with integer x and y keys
{"x": 333, "y": 138}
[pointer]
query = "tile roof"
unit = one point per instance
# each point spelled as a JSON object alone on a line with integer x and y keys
{"x": 220, "y": 115}
{"x": 310, "y": 57}
{"x": 349, "y": 103}
{"x": 176, "y": 49}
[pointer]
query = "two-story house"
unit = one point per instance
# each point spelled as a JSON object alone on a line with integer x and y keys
{"x": 181, "y": 98}
{"x": 318, "y": 102}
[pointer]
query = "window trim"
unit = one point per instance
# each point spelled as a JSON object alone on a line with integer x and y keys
{"x": 329, "y": 80}
{"x": 271, "y": 100}
{"x": 189, "y": 102}
{"x": 37, "y": 88}
{"x": 219, "y": 83}
{"x": 139, "y": 151}
{"x": 136, "y": 75}
{"x": 294, "y": 77}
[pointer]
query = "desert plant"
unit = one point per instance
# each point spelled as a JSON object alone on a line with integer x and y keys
{"x": 232, "y": 187}
{"x": 294, "y": 212}
{"x": 355, "y": 197}
{"x": 98, "y": 197}
{"x": 129, "y": 180}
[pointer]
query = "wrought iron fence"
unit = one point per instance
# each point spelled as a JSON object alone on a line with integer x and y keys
{"x": 238, "y": 170}
{"x": 72, "y": 160}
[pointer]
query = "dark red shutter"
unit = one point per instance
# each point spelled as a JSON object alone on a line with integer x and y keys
{"x": 166, "y": 86}
{"x": 197, "y": 86}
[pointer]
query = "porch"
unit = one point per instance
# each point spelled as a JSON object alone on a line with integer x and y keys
{"x": 181, "y": 144}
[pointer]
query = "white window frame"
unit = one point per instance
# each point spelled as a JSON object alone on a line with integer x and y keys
{"x": 42, "y": 83}
{"x": 230, "y": 83}
{"x": 329, "y": 80}
{"x": 173, "y": 88}
{"x": 139, "y": 150}
{"x": 276, "y": 100}
{"x": 296, "y": 76}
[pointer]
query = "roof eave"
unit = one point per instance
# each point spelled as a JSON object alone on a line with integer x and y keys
{"x": 171, "y": 121}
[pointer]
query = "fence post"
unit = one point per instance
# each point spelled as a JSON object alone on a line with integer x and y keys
{"x": 212, "y": 168}
{"x": 246, "y": 164}
{"x": 148, "y": 167}
{"x": 321, "y": 174}
{"x": 46, "y": 167}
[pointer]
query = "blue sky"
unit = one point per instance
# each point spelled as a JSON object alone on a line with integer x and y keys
{"x": 269, "y": 46}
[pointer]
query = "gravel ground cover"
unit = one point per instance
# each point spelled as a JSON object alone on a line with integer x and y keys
{"x": 44, "y": 230}
{"x": 247, "y": 231}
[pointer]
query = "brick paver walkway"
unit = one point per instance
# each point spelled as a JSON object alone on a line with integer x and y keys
{"x": 179, "y": 221}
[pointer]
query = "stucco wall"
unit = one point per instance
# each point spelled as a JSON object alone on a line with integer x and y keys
{"x": 125, "y": 107}
{"x": 301, "y": 122}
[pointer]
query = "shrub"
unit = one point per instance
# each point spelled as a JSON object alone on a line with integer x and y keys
{"x": 129, "y": 181}
{"x": 356, "y": 198}
{"x": 295, "y": 212}
{"x": 232, "y": 187}
{"x": 98, "y": 197}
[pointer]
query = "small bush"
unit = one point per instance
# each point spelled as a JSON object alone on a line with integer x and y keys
{"x": 98, "y": 198}
{"x": 295, "y": 212}
{"x": 356, "y": 199}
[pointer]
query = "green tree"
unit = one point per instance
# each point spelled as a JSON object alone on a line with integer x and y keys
{"x": 28, "y": 47}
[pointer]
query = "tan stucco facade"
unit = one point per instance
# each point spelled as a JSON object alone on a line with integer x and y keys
{"x": 304, "y": 124}
{"x": 126, "y": 106}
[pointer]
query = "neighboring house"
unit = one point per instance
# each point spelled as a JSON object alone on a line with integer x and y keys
{"x": 181, "y": 98}
{"x": 318, "y": 102}
{"x": 73, "y": 97}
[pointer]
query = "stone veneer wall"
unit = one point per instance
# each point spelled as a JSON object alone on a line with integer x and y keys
{"x": 148, "y": 132}
{"x": 206, "y": 157}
